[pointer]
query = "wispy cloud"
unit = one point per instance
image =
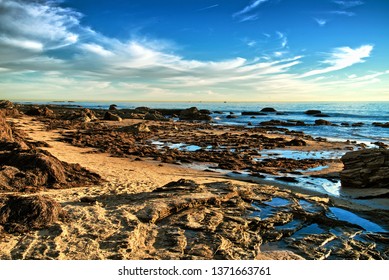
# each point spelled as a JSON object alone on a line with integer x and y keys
{"x": 341, "y": 58}
{"x": 283, "y": 38}
{"x": 320, "y": 21}
{"x": 348, "y": 4}
{"x": 208, "y": 8}
{"x": 242, "y": 14}
{"x": 343, "y": 13}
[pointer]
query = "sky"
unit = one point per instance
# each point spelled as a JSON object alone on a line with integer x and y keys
{"x": 194, "y": 50}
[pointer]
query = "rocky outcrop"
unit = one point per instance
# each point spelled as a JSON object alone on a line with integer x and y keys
{"x": 5, "y": 129}
{"x": 21, "y": 214}
{"x": 322, "y": 122}
{"x": 312, "y": 112}
{"x": 268, "y": 110}
{"x": 34, "y": 169}
{"x": 385, "y": 125}
{"x": 112, "y": 107}
{"x": 38, "y": 111}
{"x": 193, "y": 114}
{"x": 366, "y": 169}
{"x": 112, "y": 117}
{"x": 155, "y": 116}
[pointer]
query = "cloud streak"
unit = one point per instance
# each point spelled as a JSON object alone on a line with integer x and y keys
{"x": 341, "y": 58}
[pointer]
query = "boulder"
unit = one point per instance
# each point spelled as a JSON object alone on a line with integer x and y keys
{"x": 193, "y": 114}
{"x": 385, "y": 125}
{"x": 21, "y": 214}
{"x": 312, "y": 112}
{"x": 155, "y": 116}
{"x": 5, "y": 129}
{"x": 6, "y": 104}
{"x": 112, "y": 107}
{"x": 269, "y": 110}
{"x": 38, "y": 111}
{"x": 367, "y": 168}
{"x": 322, "y": 122}
{"x": 112, "y": 117}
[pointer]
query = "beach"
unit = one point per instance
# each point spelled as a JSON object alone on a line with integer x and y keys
{"x": 172, "y": 184}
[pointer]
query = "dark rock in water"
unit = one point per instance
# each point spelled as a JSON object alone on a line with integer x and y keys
{"x": 312, "y": 112}
{"x": 155, "y": 116}
{"x": 251, "y": 113}
{"x": 21, "y": 169}
{"x": 219, "y": 112}
{"x": 112, "y": 117}
{"x": 269, "y": 110}
{"x": 232, "y": 117}
{"x": 193, "y": 114}
{"x": 21, "y": 214}
{"x": 281, "y": 114}
{"x": 322, "y": 122}
{"x": 205, "y": 111}
{"x": 381, "y": 145}
{"x": 385, "y": 125}
{"x": 287, "y": 179}
{"x": 321, "y": 115}
{"x": 367, "y": 168}
{"x": 5, "y": 129}
{"x": 358, "y": 124}
{"x": 112, "y": 107}
{"x": 345, "y": 124}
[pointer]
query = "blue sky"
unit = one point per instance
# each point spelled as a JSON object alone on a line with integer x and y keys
{"x": 208, "y": 50}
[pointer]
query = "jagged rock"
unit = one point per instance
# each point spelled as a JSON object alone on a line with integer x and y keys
{"x": 6, "y": 104}
{"x": 193, "y": 114}
{"x": 112, "y": 117}
{"x": 268, "y": 110}
{"x": 5, "y": 129}
{"x": 136, "y": 128}
{"x": 38, "y": 111}
{"x": 322, "y": 122}
{"x": 112, "y": 107}
{"x": 20, "y": 214}
{"x": 296, "y": 142}
{"x": 358, "y": 124}
{"x": 155, "y": 116}
{"x": 312, "y": 112}
{"x": 385, "y": 125}
{"x": 21, "y": 169}
{"x": 367, "y": 168}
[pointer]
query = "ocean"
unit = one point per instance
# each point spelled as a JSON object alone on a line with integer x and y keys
{"x": 337, "y": 113}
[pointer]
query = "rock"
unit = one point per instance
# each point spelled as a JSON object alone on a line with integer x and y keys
{"x": 367, "y": 168}
{"x": 136, "y": 128}
{"x": 21, "y": 214}
{"x": 321, "y": 115}
{"x": 112, "y": 117}
{"x": 232, "y": 117}
{"x": 269, "y": 110}
{"x": 385, "y": 125}
{"x": 5, "y": 129}
{"x": 142, "y": 110}
{"x": 312, "y": 112}
{"x": 193, "y": 114}
{"x": 296, "y": 142}
{"x": 322, "y": 122}
{"x": 155, "y": 116}
{"x": 358, "y": 124}
{"x": 38, "y": 168}
{"x": 345, "y": 124}
{"x": 112, "y": 107}
{"x": 37, "y": 111}
{"x": 381, "y": 145}
{"x": 252, "y": 113}
{"x": 6, "y": 104}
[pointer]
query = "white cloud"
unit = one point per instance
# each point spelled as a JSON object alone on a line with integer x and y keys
{"x": 343, "y": 13}
{"x": 321, "y": 21}
{"x": 348, "y": 4}
{"x": 249, "y": 8}
{"x": 283, "y": 38}
{"x": 97, "y": 49}
{"x": 22, "y": 43}
{"x": 341, "y": 58}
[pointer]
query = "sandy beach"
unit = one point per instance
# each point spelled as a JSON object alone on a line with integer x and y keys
{"x": 145, "y": 200}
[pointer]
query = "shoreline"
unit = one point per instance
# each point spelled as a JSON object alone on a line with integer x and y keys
{"x": 145, "y": 179}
